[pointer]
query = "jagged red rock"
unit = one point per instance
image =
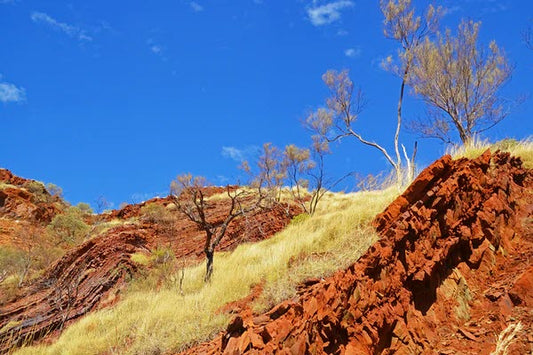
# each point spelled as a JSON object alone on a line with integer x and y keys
{"x": 18, "y": 203}
{"x": 451, "y": 271}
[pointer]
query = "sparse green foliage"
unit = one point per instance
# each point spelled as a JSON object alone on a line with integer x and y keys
{"x": 69, "y": 226}
{"x": 459, "y": 81}
{"x": 300, "y": 218}
{"x": 54, "y": 190}
{"x": 85, "y": 208}
{"x": 162, "y": 255}
{"x": 14, "y": 262}
{"x": 17, "y": 265}
{"x": 38, "y": 191}
{"x": 155, "y": 213}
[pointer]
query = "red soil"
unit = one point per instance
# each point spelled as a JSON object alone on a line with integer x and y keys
{"x": 452, "y": 270}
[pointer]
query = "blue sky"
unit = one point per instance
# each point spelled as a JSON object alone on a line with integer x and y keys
{"x": 116, "y": 98}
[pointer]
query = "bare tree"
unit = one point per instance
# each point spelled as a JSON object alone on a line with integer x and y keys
{"x": 54, "y": 190}
{"x": 306, "y": 170}
{"x": 402, "y": 25}
{"x": 188, "y": 196}
{"x": 527, "y": 36}
{"x": 459, "y": 81}
{"x": 297, "y": 163}
{"x": 337, "y": 119}
{"x": 271, "y": 172}
{"x": 101, "y": 204}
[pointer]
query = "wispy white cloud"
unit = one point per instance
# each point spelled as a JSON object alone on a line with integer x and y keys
{"x": 449, "y": 10}
{"x": 342, "y": 32}
{"x": 353, "y": 52}
{"x": 139, "y": 197}
{"x": 196, "y": 7}
{"x": 233, "y": 153}
{"x": 494, "y": 7}
{"x": 156, "y": 48}
{"x": 327, "y": 13}
{"x": 11, "y": 93}
{"x": 238, "y": 154}
{"x": 70, "y": 30}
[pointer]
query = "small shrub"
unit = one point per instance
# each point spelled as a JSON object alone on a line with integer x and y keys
{"x": 69, "y": 226}
{"x": 38, "y": 191}
{"x": 140, "y": 258}
{"x": 300, "y": 218}
{"x": 162, "y": 255}
{"x": 85, "y": 208}
{"x": 14, "y": 262}
{"x": 54, "y": 190}
{"x": 155, "y": 213}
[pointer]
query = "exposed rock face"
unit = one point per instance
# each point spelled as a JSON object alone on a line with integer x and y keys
{"x": 18, "y": 203}
{"x": 7, "y": 177}
{"x": 453, "y": 268}
{"x": 91, "y": 275}
{"x": 71, "y": 287}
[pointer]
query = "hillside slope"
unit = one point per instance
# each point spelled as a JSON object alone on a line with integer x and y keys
{"x": 452, "y": 271}
{"x": 92, "y": 275}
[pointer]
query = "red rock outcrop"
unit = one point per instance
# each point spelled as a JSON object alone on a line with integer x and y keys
{"x": 18, "y": 203}
{"x": 71, "y": 287}
{"x": 452, "y": 270}
{"x": 92, "y": 274}
{"x": 7, "y": 177}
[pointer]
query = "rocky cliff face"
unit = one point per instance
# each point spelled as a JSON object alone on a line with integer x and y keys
{"x": 452, "y": 270}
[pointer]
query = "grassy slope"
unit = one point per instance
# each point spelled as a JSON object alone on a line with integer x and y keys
{"x": 148, "y": 321}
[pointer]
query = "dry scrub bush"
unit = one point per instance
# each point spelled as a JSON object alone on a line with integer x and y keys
{"x": 69, "y": 227}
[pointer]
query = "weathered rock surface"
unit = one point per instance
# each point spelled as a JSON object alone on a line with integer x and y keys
{"x": 71, "y": 287}
{"x": 452, "y": 270}
{"x": 92, "y": 274}
{"x": 16, "y": 203}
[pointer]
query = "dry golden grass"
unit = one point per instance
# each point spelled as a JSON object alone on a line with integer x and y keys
{"x": 148, "y": 321}
{"x": 522, "y": 148}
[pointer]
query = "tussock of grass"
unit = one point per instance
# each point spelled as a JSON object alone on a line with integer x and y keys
{"x": 522, "y": 148}
{"x": 4, "y": 185}
{"x": 149, "y": 321}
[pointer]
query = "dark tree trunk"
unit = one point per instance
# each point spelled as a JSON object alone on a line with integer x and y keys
{"x": 209, "y": 264}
